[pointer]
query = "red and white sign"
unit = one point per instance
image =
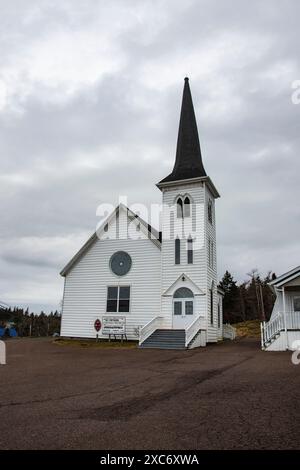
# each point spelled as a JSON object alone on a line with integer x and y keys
{"x": 97, "y": 325}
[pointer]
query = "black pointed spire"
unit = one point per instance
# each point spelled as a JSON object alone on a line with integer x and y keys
{"x": 188, "y": 163}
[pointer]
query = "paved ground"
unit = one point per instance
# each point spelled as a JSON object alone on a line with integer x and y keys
{"x": 225, "y": 396}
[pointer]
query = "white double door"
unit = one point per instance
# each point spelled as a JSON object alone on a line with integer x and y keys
{"x": 183, "y": 313}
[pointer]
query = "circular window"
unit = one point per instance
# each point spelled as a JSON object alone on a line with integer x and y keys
{"x": 120, "y": 263}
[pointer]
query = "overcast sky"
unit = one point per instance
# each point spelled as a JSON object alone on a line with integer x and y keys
{"x": 90, "y": 95}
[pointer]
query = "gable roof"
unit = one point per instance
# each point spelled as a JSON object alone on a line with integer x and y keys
{"x": 285, "y": 278}
{"x": 151, "y": 232}
{"x": 188, "y": 162}
{"x": 188, "y": 282}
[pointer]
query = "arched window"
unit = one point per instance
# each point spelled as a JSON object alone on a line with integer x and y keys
{"x": 210, "y": 253}
{"x": 177, "y": 251}
{"x": 212, "y": 304}
{"x": 210, "y": 211}
{"x": 179, "y": 206}
{"x": 187, "y": 207}
{"x": 183, "y": 301}
{"x": 182, "y": 293}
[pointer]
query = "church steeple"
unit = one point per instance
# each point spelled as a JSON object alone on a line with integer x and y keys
{"x": 188, "y": 163}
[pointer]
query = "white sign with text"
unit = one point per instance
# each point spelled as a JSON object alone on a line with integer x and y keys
{"x": 114, "y": 325}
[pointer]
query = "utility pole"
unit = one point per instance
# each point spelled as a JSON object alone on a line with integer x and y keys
{"x": 263, "y": 313}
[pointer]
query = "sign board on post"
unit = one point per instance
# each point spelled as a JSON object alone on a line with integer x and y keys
{"x": 114, "y": 325}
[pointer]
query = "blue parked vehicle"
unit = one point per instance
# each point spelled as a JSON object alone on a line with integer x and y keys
{"x": 11, "y": 332}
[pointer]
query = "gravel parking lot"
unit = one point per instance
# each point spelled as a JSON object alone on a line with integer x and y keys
{"x": 226, "y": 396}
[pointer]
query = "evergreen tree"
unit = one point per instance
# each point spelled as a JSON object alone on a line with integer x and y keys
{"x": 228, "y": 284}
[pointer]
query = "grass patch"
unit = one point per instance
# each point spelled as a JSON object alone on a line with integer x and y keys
{"x": 248, "y": 329}
{"x": 92, "y": 343}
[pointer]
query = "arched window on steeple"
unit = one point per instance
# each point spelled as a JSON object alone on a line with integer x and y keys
{"x": 179, "y": 206}
{"x": 187, "y": 207}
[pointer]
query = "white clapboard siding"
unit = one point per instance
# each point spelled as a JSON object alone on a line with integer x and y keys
{"x": 210, "y": 234}
{"x": 171, "y": 271}
{"x": 85, "y": 292}
{"x": 280, "y": 343}
{"x": 199, "y": 271}
{"x": 289, "y": 305}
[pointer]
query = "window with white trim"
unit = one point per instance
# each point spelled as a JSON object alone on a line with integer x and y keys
{"x": 179, "y": 206}
{"x": 187, "y": 207}
{"x": 296, "y": 304}
{"x": 210, "y": 253}
{"x": 183, "y": 207}
{"x": 210, "y": 211}
{"x": 190, "y": 250}
{"x": 177, "y": 251}
{"x": 212, "y": 305}
{"x": 118, "y": 299}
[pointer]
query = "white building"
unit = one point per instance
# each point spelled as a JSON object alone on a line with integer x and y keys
{"x": 283, "y": 329}
{"x": 160, "y": 288}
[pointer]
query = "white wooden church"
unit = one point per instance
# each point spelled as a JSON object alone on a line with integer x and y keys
{"x": 161, "y": 287}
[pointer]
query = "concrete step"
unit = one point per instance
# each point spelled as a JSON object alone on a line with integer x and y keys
{"x": 170, "y": 340}
{"x": 171, "y": 332}
{"x": 165, "y": 339}
{"x": 164, "y": 346}
{"x": 164, "y": 335}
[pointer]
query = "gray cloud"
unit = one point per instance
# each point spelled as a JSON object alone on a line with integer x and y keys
{"x": 89, "y": 103}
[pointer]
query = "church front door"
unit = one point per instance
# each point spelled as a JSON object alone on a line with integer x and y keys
{"x": 183, "y": 312}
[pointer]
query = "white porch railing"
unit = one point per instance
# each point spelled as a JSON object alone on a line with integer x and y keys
{"x": 149, "y": 328}
{"x": 270, "y": 329}
{"x": 280, "y": 322}
{"x": 229, "y": 332}
{"x": 193, "y": 329}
